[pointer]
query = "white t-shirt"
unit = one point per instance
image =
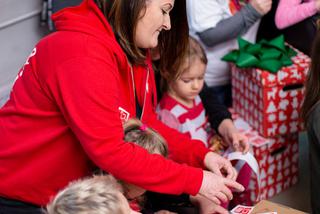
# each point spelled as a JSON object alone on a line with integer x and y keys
{"x": 205, "y": 14}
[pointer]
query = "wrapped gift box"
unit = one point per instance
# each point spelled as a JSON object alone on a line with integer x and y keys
{"x": 269, "y": 102}
{"x": 278, "y": 159}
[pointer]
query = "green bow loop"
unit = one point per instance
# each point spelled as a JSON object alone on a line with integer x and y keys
{"x": 232, "y": 56}
{"x": 267, "y": 55}
{"x": 243, "y": 44}
{"x": 246, "y": 60}
{"x": 271, "y": 53}
{"x": 271, "y": 65}
{"x": 291, "y": 52}
{"x": 286, "y": 60}
{"x": 278, "y": 43}
{"x": 254, "y": 49}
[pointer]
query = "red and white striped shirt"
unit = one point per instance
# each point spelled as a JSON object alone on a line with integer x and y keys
{"x": 191, "y": 121}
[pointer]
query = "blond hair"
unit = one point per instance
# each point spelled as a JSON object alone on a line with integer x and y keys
{"x": 194, "y": 51}
{"x": 135, "y": 131}
{"x": 95, "y": 195}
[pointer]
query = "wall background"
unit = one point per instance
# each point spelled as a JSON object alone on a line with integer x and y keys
{"x": 19, "y": 31}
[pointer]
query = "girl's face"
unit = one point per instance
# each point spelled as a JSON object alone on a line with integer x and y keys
{"x": 125, "y": 205}
{"x": 154, "y": 19}
{"x": 187, "y": 86}
{"x": 134, "y": 191}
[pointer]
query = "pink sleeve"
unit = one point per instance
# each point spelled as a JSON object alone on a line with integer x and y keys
{"x": 290, "y": 12}
{"x": 169, "y": 119}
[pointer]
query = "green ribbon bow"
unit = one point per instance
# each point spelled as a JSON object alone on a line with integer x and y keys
{"x": 267, "y": 55}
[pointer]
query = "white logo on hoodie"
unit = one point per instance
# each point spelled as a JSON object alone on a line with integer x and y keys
{"x": 34, "y": 51}
{"x": 124, "y": 115}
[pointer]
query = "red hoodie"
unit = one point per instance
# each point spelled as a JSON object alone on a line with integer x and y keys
{"x": 65, "y": 115}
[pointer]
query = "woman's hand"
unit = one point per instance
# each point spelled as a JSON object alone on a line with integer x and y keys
{"x": 217, "y": 188}
{"x": 233, "y": 137}
{"x": 206, "y": 206}
{"x": 219, "y": 165}
{"x": 262, "y": 6}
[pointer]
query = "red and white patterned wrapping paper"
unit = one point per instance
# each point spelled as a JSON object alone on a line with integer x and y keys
{"x": 278, "y": 159}
{"x": 270, "y": 103}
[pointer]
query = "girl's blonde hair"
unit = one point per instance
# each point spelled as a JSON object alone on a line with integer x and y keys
{"x": 194, "y": 51}
{"x": 98, "y": 194}
{"x": 135, "y": 131}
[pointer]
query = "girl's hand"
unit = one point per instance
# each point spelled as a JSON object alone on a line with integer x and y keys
{"x": 233, "y": 137}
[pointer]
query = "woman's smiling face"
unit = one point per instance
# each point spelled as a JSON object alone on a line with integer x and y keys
{"x": 153, "y": 19}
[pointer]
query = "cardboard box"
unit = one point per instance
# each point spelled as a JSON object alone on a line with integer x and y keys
{"x": 271, "y": 207}
{"x": 278, "y": 160}
{"x": 270, "y": 103}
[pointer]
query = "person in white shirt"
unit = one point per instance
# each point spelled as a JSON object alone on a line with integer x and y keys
{"x": 216, "y": 26}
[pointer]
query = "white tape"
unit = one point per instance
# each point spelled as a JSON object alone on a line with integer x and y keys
{"x": 251, "y": 161}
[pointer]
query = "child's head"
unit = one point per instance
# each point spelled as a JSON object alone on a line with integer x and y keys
{"x": 138, "y": 133}
{"x": 188, "y": 81}
{"x": 98, "y": 195}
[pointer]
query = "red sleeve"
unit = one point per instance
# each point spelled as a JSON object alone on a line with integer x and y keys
{"x": 181, "y": 148}
{"x": 87, "y": 92}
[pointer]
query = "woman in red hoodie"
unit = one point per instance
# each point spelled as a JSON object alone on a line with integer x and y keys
{"x": 66, "y": 109}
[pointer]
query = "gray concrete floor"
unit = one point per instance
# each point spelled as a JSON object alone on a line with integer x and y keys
{"x": 298, "y": 196}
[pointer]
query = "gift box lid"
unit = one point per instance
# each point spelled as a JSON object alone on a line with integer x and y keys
{"x": 253, "y": 136}
{"x": 288, "y": 75}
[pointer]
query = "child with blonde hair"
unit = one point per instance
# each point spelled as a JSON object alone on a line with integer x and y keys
{"x": 181, "y": 108}
{"x": 102, "y": 194}
{"x": 138, "y": 133}
{"x": 95, "y": 195}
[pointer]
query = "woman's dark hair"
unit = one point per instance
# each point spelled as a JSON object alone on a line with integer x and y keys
{"x": 123, "y": 16}
{"x": 173, "y": 44}
{"x": 312, "y": 92}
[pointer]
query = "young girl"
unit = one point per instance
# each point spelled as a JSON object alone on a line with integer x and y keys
{"x": 311, "y": 116}
{"x": 102, "y": 193}
{"x": 98, "y": 194}
{"x": 149, "y": 139}
{"x": 138, "y": 133}
{"x": 181, "y": 107}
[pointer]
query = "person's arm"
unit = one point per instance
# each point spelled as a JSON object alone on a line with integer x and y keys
{"x": 88, "y": 94}
{"x": 215, "y": 111}
{"x": 230, "y": 28}
{"x": 290, "y": 12}
{"x": 220, "y": 120}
